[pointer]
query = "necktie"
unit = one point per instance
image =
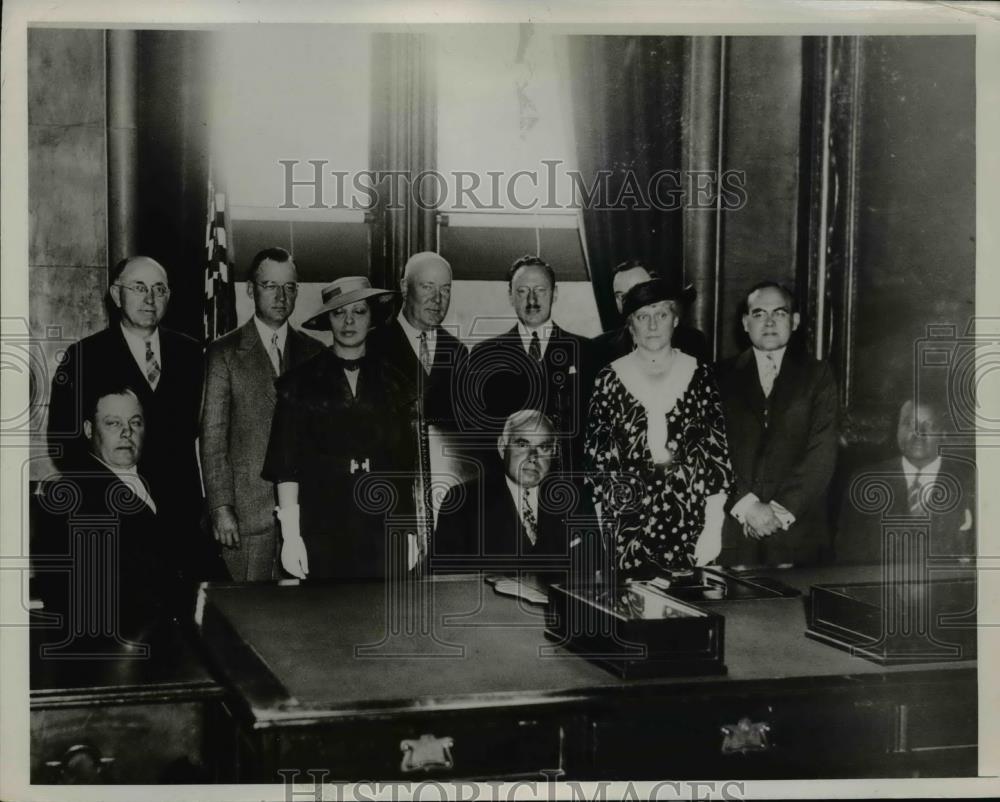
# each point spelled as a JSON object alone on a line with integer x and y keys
{"x": 152, "y": 366}
{"x": 276, "y": 355}
{"x": 769, "y": 374}
{"x": 425, "y": 353}
{"x": 528, "y": 517}
{"x": 535, "y": 348}
{"x": 913, "y": 497}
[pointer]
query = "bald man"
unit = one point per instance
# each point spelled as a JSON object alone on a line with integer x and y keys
{"x": 165, "y": 369}
{"x": 416, "y": 343}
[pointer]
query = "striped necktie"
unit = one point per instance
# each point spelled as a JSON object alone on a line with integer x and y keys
{"x": 528, "y": 517}
{"x": 535, "y": 347}
{"x": 152, "y": 366}
{"x": 425, "y": 353}
{"x": 276, "y": 355}
{"x": 913, "y": 497}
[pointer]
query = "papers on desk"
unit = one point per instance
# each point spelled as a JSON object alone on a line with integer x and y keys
{"x": 518, "y": 588}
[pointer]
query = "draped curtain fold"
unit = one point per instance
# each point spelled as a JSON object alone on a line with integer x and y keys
{"x": 172, "y": 166}
{"x": 403, "y": 148}
{"x": 627, "y": 97}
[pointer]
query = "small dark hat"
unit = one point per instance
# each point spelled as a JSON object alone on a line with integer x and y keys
{"x": 654, "y": 291}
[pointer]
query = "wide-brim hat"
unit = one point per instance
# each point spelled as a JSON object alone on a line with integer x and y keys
{"x": 654, "y": 291}
{"x": 341, "y": 292}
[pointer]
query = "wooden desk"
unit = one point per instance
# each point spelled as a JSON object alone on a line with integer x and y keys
{"x": 134, "y": 718}
{"x": 319, "y": 682}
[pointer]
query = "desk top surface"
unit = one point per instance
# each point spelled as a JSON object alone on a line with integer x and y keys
{"x": 290, "y": 649}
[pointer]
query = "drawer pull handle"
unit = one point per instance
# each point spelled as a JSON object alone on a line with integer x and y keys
{"x": 426, "y": 753}
{"x": 82, "y": 764}
{"x": 745, "y": 736}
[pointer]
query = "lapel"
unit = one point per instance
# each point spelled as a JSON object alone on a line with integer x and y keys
{"x": 787, "y": 383}
{"x": 397, "y": 343}
{"x": 748, "y": 380}
{"x": 133, "y": 504}
{"x": 138, "y": 382}
{"x": 444, "y": 358}
{"x": 255, "y": 359}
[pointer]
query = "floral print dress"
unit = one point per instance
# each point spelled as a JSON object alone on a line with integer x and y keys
{"x": 653, "y": 512}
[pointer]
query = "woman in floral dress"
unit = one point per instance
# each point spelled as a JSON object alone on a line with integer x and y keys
{"x": 656, "y": 452}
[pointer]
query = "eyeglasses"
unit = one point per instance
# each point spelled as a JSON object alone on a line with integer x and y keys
{"x": 290, "y": 288}
{"x": 546, "y": 449}
{"x": 158, "y": 290}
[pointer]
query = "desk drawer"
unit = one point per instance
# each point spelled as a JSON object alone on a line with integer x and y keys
{"x": 466, "y": 746}
{"x": 128, "y": 744}
{"x": 808, "y": 735}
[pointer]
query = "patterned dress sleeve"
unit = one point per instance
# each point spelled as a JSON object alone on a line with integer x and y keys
{"x": 601, "y": 457}
{"x": 710, "y": 448}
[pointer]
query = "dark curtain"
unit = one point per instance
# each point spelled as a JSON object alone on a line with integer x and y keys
{"x": 627, "y": 108}
{"x": 404, "y": 140}
{"x": 172, "y": 167}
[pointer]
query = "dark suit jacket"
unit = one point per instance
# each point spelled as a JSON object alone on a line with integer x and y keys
{"x": 171, "y": 411}
{"x": 864, "y": 517}
{"x": 154, "y": 579}
{"x": 504, "y": 379}
{"x": 389, "y": 345}
{"x": 783, "y": 448}
{"x": 479, "y": 527}
{"x": 236, "y": 422}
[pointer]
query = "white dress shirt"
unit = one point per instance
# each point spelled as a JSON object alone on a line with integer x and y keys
{"x": 131, "y": 479}
{"x": 137, "y": 347}
{"x": 267, "y": 335}
{"x": 544, "y": 333}
{"x": 924, "y": 475}
{"x": 413, "y": 337}
{"x": 761, "y": 358}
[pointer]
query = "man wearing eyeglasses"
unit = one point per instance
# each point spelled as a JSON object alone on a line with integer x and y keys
{"x": 518, "y": 515}
{"x": 236, "y": 416}
{"x": 165, "y": 369}
{"x": 535, "y": 364}
{"x": 781, "y": 422}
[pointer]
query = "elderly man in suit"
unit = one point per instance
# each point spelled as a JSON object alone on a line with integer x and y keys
{"x": 519, "y": 514}
{"x": 781, "y": 421}
{"x": 163, "y": 367}
{"x": 926, "y": 486}
{"x": 616, "y": 343}
{"x": 416, "y": 343}
{"x": 237, "y": 411}
{"x": 534, "y": 365}
{"x": 127, "y": 572}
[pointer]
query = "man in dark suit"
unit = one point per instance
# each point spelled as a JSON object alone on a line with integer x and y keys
{"x": 518, "y": 515}
{"x": 925, "y": 487}
{"x": 781, "y": 422}
{"x": 238, "y": 407}
{"x": 127, "y": 573}
{"x": 617, "y": 343}
{"x": 534, "y": 365}
{"x": 416, "y": 343}
{"x": 163, "y": 367}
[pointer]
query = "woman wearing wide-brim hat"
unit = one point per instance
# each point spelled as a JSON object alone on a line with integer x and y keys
{"x": 342, "y": 445}
{"x": 656, "y": 425}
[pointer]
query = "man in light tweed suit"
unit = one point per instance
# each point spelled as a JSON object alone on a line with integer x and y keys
{"x": 236, "y": 416}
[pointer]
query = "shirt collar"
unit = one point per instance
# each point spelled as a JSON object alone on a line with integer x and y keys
{"x": 266, "y": 333}
{"x": 515, "y": 493}
{"x": 777, "y": 355}
{"x": 133, "y": 471}
{"x": 413, "y": 333}
{"x": 135, "y": 342}
{"x": 544, "y": 333}
{"x": 928, "y": 473}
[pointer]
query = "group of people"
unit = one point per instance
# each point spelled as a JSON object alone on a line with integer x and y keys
{"x": 622, "y": 457}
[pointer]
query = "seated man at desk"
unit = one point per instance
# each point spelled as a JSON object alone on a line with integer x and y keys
{"x": 103, "y": 521}
{"x": 925, "y": 488}
{"x": 519, "y": 514}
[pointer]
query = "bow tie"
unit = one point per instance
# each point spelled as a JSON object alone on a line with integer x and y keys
{"x": 350, "y": 364}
